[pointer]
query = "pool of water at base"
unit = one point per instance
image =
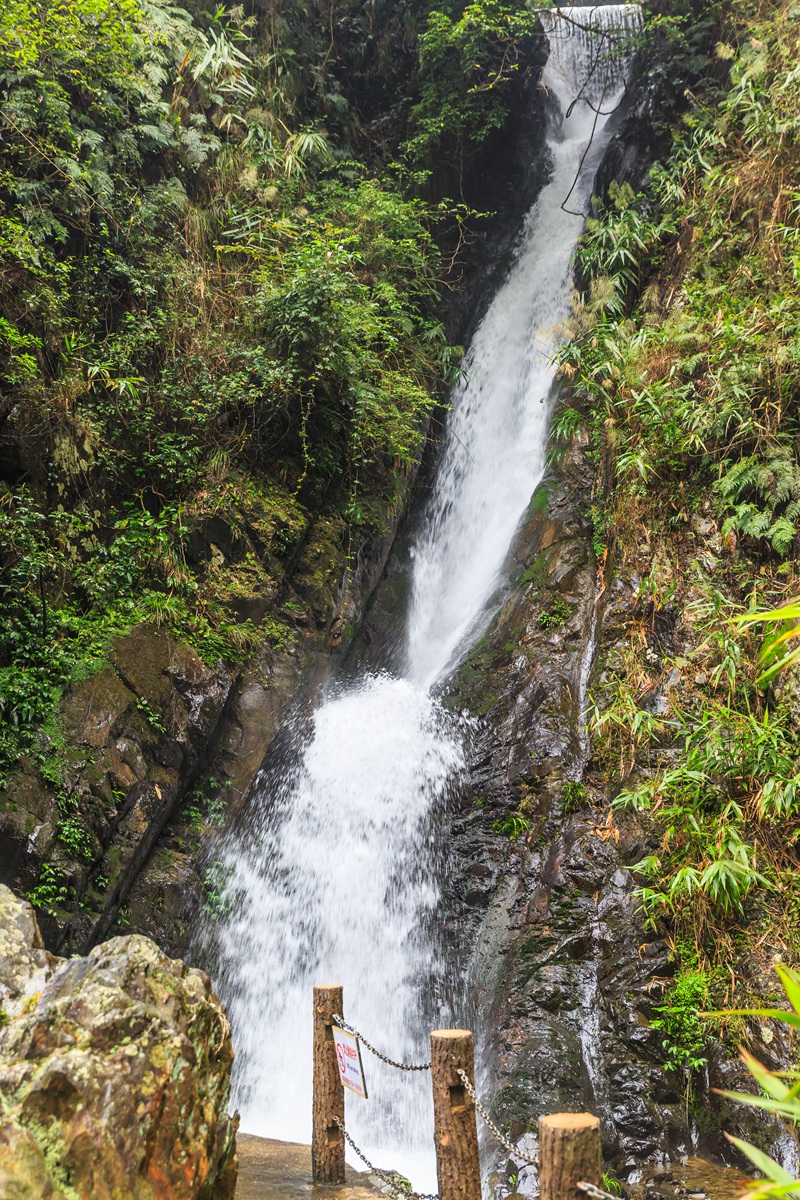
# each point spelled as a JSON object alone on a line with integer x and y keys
{"x": 694, "y": 1179}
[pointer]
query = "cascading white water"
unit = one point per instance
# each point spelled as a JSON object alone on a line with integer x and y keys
{"x": 333, "y": 887}
{"x": 497, "y": 432}
{"x": 336, "y": 880}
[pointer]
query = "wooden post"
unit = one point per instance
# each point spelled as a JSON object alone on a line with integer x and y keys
{"x": 569, "y": 1153}
{"x": 455, "y": 1128}
{"x": 327, "y": 1142}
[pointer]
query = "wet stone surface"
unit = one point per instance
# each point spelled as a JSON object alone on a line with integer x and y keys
{"x": 696, "y": 1179}
{"x": 271, "y": 1170}
{"x": 564, "y": 977}
{"x": 114, "y": 1073}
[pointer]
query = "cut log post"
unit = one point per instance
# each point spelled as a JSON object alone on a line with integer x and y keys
{"x": 569, "y": 1153}
{"x": 455, "y": 1128}
{"x": 327, "y": 1142}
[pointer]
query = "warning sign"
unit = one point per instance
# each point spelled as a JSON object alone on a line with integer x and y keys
{"x": 348, "y": 1056}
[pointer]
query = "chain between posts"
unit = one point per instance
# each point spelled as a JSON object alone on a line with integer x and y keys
{"x": 589, "y": 1189}
{"x": 399, "y": 1187}
{"x": 340, "y": 1021}
{"x": 594, "y": 1192}
{"x": 501, "y": 1137}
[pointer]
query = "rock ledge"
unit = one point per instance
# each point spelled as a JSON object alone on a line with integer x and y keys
{"x": 114, "y": 1072}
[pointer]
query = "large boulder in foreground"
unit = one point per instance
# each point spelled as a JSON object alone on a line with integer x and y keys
{"x": 114, "y": 1072}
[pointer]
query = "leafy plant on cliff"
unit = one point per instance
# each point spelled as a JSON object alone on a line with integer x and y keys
{"x": 706, "y": 384}
{"x": 207, "y": 310}
{"x": 683, "y": 366}
{"x": 512, "y": 825}
{"x": 467, "y": 67}
{"x": 215, "y": 881}
{"x": 73, "y": 835}
{"x": 778, "y": 1094}
{"x": 51, "y": 891}
{"x": 610, "y": 1182}
{"x": 776, "y": 654}
{"x": 734, "y": 783}
{"x": 686, "y": 1035}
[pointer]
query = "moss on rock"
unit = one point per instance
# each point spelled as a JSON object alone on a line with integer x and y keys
{"x": 114, "y": 1073}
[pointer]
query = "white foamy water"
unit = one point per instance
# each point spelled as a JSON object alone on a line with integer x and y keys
{"x": 333, "y": 888}
{"x": 497, "y": 433}
{"x": 337, "y": 876}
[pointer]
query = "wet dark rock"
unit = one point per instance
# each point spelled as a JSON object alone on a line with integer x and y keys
{"x": 565, "y": 978}
{"x": 212, "y": 538}
{"x": 641, "y": 135}
{"x": 138, "y": 734}
{"x": 251, "y": 608}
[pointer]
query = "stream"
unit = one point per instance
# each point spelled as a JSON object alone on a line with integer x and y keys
{"x": 339, "y": 872}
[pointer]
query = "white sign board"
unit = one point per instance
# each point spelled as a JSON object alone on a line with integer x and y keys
{"x": 348, "y": 1057}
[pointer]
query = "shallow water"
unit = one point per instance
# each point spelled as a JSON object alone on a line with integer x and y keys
{"x": 695, "y": 1179}
{"x": 270, "y": 1170}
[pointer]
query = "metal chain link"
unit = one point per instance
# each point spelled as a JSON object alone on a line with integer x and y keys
{"x": 339, "y": 1019}
{"x": 589, "y": 1189}
{"x": 501, "y": 1137}
{"x": 399, "y": 1187}
{"x": 594, "y": 1192}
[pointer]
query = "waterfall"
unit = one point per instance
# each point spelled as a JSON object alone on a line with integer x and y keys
{"x": 497, "y": 432}
{"x": 337, "y": 877}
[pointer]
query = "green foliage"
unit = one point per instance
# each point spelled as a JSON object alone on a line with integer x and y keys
{"x": 345, "y": 309}
{"x": 686, "y": 1034}
{"x": 614, "y": 247}
{"x": 512, "y": 825}
{"x": 152, "y": 718}
{"x": 75, "y": 838}
{"x": 706, "y": 385}
{"x": 610, "y": 1182}
{"x": 554, "y": 616}
{"x": 468, "y": 65}
{"x": 216, "y": 877}
{"x": 764, "y": 495}
{"x": 203, "y": 807}
{"x": 207, "y": 308}
{"x": 779, "y": 1095}
{"x": 721, "y": 779}
{"x": 573, "y": 795}
{"x": 736, "y": 771}
{"x": 683, "y": 365}
{"x": 776, "y": 655}
{"x": 536, "y": 573}
{"x": 50, "y": 639}
{"x": 51, "y": 891}
{"x": 621, "y": 727}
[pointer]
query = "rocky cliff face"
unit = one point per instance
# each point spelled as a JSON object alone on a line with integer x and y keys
{"x": 133, "y": 739}
{"x": 114, "y": 1072}
{"x": 565, "y": 978}
{"x": 110, "y": 827}
{"x": 562, "y": 971}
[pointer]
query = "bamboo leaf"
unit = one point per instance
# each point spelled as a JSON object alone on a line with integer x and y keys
{"x": 777, "y": 1014}
{"x": 763, "y": 1162}
{"x": 765, "y": 1078}
{"x": 790, "y": 1109}
{"x": 791, "y": 983}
